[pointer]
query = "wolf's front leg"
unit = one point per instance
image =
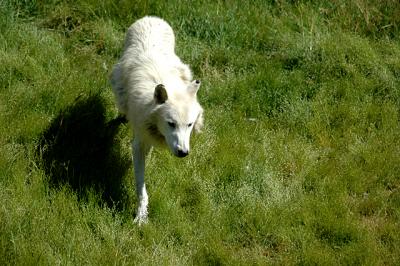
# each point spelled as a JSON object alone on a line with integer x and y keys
{"x": 140, "y": 151}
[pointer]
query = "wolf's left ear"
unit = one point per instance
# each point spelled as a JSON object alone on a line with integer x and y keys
{"x": 198, "y": 124}
{"x": 184, "y": 72}
{"x": 194, "y": 87}
{"x": 160, "y": 94}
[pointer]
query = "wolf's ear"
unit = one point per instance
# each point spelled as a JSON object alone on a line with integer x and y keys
{"x": 198, "y": 124}
{"x": 194, "y": 87}
{"x": 184, "y": 72}
{"x": 160, "y": 94}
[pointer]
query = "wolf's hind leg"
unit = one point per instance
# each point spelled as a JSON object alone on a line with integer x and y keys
{"x": 118, "y": 89}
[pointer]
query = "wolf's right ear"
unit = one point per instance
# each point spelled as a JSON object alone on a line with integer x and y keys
{"x": 160, "y": 94}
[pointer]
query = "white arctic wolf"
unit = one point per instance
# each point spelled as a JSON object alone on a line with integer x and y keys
{"x": 155, "y": 91}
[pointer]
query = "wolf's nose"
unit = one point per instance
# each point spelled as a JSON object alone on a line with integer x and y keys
{"x": 182, "y": 153}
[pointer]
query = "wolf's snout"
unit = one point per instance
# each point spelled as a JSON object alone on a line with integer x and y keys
{"x": 182, "y": 153}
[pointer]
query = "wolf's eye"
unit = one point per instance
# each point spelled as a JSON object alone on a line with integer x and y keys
{"x": 190, "y": 124}
{"x": 172, "y": 124}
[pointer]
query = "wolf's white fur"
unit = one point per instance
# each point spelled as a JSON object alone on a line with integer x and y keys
{"x": 155, "y": 91}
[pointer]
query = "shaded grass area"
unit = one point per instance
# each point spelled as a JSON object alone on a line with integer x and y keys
{"x": 79, "y": 149}
{"x": 298, "y": 163}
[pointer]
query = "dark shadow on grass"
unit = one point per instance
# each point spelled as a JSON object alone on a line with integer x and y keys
{"x": 80, "y": 149}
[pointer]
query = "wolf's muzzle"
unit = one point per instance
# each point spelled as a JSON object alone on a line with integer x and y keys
{"x": 182, "y": 153}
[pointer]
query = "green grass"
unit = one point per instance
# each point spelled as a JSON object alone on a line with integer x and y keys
{"x": 299, "y": 162}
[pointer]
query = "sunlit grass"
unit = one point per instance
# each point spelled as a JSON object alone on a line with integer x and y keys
{"x": 298, "y": 163}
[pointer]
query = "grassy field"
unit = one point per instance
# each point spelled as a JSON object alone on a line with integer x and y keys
{"x": 299, "y": 162}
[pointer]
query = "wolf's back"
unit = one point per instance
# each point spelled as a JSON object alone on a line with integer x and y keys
{"x": 150, "y": 33}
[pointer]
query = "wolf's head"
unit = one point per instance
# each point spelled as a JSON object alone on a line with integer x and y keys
{"x": 177, "y": 115}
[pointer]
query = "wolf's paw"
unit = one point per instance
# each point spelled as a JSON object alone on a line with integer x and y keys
{"x": 141, "y": 219}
